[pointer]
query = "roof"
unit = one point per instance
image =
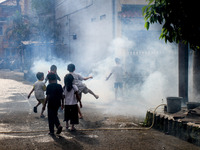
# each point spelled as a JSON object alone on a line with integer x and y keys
{"x": 1, "y": 1}
{"x": 8, "y": 2}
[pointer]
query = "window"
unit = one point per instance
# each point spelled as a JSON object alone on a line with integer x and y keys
{"x": 102, "y": 17}
{"x": 1, "y": 30}
{"x": 93, "y": 19}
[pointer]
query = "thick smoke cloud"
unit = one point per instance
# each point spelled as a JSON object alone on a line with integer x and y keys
{"x": 150, "y": 70}
{"x": 156, "y": 70}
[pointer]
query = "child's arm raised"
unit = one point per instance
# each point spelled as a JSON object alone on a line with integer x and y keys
{"x": 109, "y": 76}
{"x": 86, "y": 78}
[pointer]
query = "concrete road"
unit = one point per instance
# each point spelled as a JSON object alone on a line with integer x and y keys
{"x": 16, "y": 114}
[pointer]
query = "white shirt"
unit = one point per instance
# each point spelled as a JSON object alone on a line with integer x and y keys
{"x": 39, "y": 88}
{"x": 70, "y": 97}
{"x": 78, "y": 81}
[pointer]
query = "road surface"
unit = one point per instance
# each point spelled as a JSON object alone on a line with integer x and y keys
{"x": 16, "y": 114}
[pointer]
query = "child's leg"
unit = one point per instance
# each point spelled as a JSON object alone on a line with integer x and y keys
{"x": 38, "y": 104}
{"x": 51, "y": 120}
{"x": 91, "y": 92}
{"x": 74, "y": 116}
{"x": 121, "y": 90}
{"x": 35, "y": 108}
{"x": 79, "y": 111}
{"x": 42, "y": 115}
{"x": 67, "y": 124}
{"x": 116, "y": 91}
{"x": 57, "y": 122}
{"x": 73, "y": 128}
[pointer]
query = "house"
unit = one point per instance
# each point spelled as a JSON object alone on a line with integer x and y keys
{"x": 8, "y": 54}
{"x": 89, "y": 26}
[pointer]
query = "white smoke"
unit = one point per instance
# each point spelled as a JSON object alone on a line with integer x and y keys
{"x": 150, "y": 66}
{"x": 42, "y": 65}
{"x": 159, "y": 73}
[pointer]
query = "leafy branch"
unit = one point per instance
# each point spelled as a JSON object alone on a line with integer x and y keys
{"x": 178, "y": 18}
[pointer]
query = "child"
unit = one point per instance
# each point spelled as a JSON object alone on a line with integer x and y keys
{"x": 118, "y": 73}
{"x": 39, "y": 87}
{"x": 71, "y": 99}
{"x": 53, "y": 69}
{"x": 77, "y": 81}
{"x": 54, "y": 99}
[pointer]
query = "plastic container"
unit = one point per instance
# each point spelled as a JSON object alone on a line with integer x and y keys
{"x": 173, "y": 104}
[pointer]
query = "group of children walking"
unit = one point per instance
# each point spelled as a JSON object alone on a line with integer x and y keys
{"x": 66, "y": 97}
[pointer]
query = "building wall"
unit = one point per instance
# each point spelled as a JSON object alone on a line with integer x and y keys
{"x": 94, "y": 22}
{"x": 133, "y": 2}
{"x": 91, "y": 22}
{"x": 7, "y": 9}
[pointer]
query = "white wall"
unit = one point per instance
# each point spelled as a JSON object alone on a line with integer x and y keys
{"x": 91, "y": 21}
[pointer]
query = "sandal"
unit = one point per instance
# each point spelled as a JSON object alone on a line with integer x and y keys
{"x": 59, "y": 130}
{"x": 73, "y": 129}
{"x": 51, "y": 134}
{"x": 35, "y": 109}
{"x": 42, "y": 116}
{"x": 67, "y": 128}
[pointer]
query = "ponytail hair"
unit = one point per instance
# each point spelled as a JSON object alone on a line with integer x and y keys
{"x": 68, "y": 82}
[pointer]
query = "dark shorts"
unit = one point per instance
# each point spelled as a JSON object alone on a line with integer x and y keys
{"x": 71, "y": 113}
{"x": 118, "y": 85}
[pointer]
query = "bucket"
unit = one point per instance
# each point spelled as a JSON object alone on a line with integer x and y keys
{"x": 173, "y": 104}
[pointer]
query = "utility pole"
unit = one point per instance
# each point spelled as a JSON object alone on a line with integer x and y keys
{"x": 196, "y": 75}
{"x": 183, "y": 71}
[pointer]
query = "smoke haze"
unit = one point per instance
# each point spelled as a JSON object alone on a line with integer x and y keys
{"x": 150, "y": 69}
{"x": 156, "y": 70}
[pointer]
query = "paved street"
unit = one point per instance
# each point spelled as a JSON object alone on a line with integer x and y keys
{"x": 16, "y": 115}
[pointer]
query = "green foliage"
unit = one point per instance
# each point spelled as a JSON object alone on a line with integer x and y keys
{"x": 179, "y": 20}
{"x": 146, "y": 25}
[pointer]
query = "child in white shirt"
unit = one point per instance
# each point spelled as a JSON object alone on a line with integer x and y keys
{"x": 78, "y": 81}
{"x": 71, "y": 99}
{"x": 39, "y": 87}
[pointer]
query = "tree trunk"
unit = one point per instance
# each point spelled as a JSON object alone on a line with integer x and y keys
{"x": 183, "y": 71}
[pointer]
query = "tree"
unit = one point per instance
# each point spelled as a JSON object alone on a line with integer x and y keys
{"x": 181, "y": 25}
{"x": 179, "y": 19}
{"x": 18, "y": 28}
{"x": 45, "y": 12}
